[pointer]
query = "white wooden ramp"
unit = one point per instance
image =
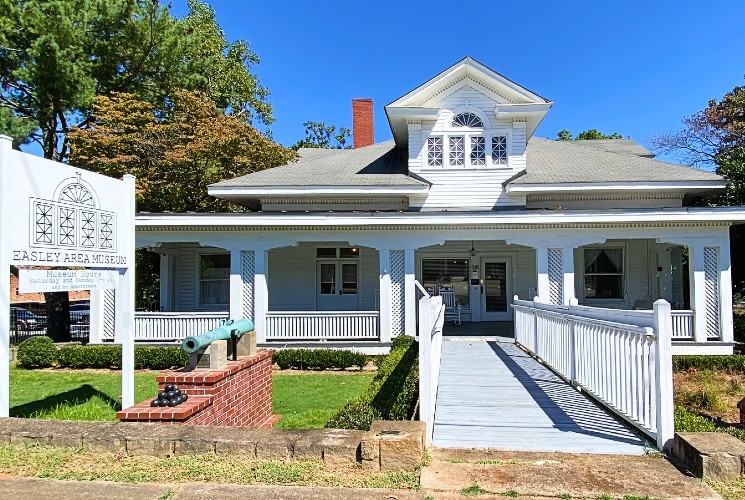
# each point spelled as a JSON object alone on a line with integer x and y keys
{"x": 493, "y": 395}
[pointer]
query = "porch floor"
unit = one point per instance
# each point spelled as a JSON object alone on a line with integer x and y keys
{"x": 493, "y": 395}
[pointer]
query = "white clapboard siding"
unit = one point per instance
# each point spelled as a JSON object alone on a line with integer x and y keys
{"x": 467, "y": 188}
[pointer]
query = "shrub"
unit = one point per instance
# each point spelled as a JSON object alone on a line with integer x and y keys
{"x": 355, "y": 415}
{"x": 160, "y": 358}
{"x": 718, "y": 363}
{"x": 110, "y": 356}
{"x": 318, "y": 359}
{"x": 686, "y": 421}
{"x": 391, "y": 395}
{"x": 36, "y": 352}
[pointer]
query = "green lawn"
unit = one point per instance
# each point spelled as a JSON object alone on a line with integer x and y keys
{"x": 306, "y": 401}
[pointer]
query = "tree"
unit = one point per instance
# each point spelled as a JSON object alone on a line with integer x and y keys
{"x": 320, "y": 135}
{"x": 714, "y": 138}
{"x": 56, "y": 56}
{"x": 174, "y": 153}
{"x": 592, "y": 134}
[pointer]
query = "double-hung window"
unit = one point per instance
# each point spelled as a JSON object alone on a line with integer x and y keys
{"x": 214, "y": 279}
{"x": 604, "y": 271}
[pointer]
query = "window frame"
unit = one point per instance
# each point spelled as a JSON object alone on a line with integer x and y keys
{"x": 623, "y": 273}
{"x": 448, "y": 131}
{"x": 198, "y": 278}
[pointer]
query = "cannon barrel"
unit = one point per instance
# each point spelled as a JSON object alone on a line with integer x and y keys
{"x": 222, "y": 332}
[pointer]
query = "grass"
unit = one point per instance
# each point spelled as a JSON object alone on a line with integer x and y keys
{"x": 473, "y": 490}
{"x": 77, "y": 465}
{"x": 305, "y": 400}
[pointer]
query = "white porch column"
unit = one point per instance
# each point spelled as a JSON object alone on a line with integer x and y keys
{"x": 541, "y": 267}
{"x": 409, "y": 292}
{"x": 235, "y": 311}
{"x": 166, "y": 278}
{"x": 385, "y": 294}
{"x": 726, "y": 322}
{"x": 697, "y": 279}
{"x": 260, "y": 291}
{"x": 567, "y": 264}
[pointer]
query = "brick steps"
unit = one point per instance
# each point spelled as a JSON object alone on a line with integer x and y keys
{"x": 143, "y": 412}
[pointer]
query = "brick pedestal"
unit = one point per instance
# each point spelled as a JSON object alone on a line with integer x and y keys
{"x": 238, "y": 395}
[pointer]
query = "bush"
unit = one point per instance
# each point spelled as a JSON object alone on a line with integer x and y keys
{"x": 318, "y": 359}
{"x": 391, "y": 395}
{"x": 110, "y": 356}
{"x": 718, "y": 363}
{"x": 36, "y": 352}
{"x": 686, "y": 421}
{"x": 355, "y": 415}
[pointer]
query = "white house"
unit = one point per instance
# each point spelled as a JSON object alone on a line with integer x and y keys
{"x": 464, "y": 199}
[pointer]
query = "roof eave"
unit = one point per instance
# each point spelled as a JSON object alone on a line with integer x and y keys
{"x": 612, "y": 187}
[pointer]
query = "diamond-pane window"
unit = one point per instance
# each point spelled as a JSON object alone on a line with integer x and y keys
{"x": 478, "y": 151}
{"x": 434, "y": 151}
{"x": 467, "y": 120}
{"x": 67, "y": 226}
{"x": 499, "y": 150}
{"x": 457, "y": 151}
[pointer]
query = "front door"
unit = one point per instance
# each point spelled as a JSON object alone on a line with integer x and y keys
{"x": 495, "y": 290}
{"x": 337, "y": 286}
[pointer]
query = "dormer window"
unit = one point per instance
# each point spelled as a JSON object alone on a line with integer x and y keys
{"x": 467, "y": 120}
{"x": 465, "y": 143}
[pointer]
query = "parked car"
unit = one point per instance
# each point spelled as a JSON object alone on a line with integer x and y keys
{"x": 80, "y": 313}
{"x": 23, "y": 319}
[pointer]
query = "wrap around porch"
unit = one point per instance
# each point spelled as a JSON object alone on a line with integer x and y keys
{"x": 331, "y": 290}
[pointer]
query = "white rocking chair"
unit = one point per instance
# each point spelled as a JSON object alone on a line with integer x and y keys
{"x": 452, "y": 308}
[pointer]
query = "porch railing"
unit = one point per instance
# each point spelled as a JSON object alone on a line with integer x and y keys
{"x": 682, "y": 325}
{"x": 164, "y": 326}
{"x": 322, "y": 325}
{"x": 626, "y": 367}
{"x": 431, "y": 320}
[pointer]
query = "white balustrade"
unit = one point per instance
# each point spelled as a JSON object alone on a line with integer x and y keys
{"x": 682, "y": 324}
{"x": 322, "y": 325}
{"x": 627, "y": 367}
{"x": 431, "y": 320}
{"x": 165, "y": 326}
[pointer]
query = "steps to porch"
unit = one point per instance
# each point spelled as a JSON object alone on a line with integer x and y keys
{"x": 494, "y": 395}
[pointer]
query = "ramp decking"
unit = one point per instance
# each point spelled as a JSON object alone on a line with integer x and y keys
{"x": 493, "y": 395}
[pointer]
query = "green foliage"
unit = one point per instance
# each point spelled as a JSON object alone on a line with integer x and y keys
{"x": 686, "y": 421}
{"x": 318, "y": 359}
{"x": 717, "y": 363}
{"x": 739, "y": 325}
{"x": 56, "y": 56}
{"x": 174, "y": 153}
{"x": 392, "y": 394}
{"x": 147, "y": 280}
{"x": 18, "y": 129}
{"x": 36, "y": 352}
{"x": 585, "y": 135}
{"x": 355, "y": 415}
{"x": 320, "y": 135}
{"x": 110, "y": 356}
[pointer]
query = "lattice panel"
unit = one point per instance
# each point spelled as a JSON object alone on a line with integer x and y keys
{"x": 248, "y": 269}
{"x": 555, "y": 276}
{"x": 398, "y": 294}
{"x": 172, "y": 283}
{"x": 711, "y": 280}
{"x": 109, "y": 314}
{"x": 658, "y": 276}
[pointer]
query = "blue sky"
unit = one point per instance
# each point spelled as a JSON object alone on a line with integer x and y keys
{"x": 632, "y": 67}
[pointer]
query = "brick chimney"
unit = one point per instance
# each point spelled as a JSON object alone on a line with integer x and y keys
{"x": 362, "y": 122}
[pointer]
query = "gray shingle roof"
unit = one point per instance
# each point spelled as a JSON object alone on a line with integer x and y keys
{"x": 625, "y": 146}
{"x": 565, "y": 162}
{"x": 381, "y": 164}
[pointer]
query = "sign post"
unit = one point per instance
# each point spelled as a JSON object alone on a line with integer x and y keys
{"x": 65, "y": 217}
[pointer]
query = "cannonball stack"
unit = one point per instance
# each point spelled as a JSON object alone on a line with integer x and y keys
{"x": 169, "y": 396}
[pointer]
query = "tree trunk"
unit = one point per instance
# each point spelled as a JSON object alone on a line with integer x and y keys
{"x": 58, "y": 316}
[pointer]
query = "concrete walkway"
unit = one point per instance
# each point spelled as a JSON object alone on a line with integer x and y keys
{"x": 493, "y": 395}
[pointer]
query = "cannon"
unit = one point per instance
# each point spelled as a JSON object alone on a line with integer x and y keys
{"x": 216, "y": 340}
